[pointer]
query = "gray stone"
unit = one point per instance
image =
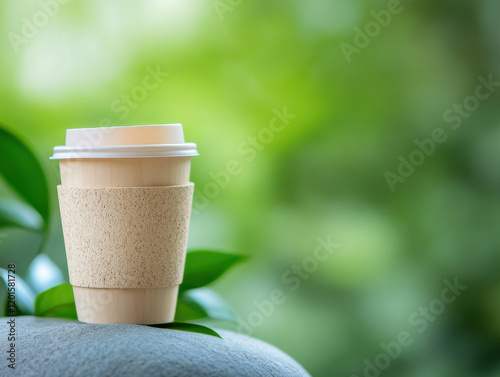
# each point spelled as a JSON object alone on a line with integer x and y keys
{"x": 58, "y": 348}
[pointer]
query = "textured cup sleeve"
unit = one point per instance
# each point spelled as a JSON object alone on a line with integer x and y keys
{"x": 126, "y": 237}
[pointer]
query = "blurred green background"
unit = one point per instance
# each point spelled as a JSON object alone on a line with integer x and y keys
{"x": 231, "y": 65}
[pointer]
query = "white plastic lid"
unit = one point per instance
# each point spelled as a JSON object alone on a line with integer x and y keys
{"x": 159, "y": 140}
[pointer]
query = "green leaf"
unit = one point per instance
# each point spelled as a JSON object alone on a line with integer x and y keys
{"x": 14, "y": 213}
{"x": 205, "y": 266}
{"x": 57, "y": 301}
{"x": 22, "y": 171}
{"x": 24, "y": 296}
{"x": 67, "y": 311}
{"x": 187, "y": 311}
{"x": 202, "y": 303}
{"x": 190, "y": 327}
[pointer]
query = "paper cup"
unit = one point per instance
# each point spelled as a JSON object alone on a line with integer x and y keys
{"x": 114, "y": 181}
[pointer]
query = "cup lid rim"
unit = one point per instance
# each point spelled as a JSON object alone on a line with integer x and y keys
{"x": 63, "y": 152}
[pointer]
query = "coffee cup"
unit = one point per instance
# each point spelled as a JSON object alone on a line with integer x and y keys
{"x": 125, "y": 201}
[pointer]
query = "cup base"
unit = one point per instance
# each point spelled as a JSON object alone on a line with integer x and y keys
{"x": 131, "y": 305}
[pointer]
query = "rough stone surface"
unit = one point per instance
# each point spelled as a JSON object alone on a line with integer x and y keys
{"x": 57, "y": 347}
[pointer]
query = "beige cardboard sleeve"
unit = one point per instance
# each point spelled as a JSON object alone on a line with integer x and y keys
{"x": 126, "y": 237}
